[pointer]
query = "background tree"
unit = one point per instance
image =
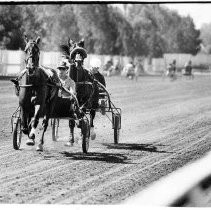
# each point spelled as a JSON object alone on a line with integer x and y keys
{"x": 188, "y": 37}
{"x": 164, "y": 30}
{"x": 96, "y": 27}
{"x": 123, "y": 34}
{"x": 139, "y": 30}
{"x": 10, "y": 27}
{"x": 205, "y": 36}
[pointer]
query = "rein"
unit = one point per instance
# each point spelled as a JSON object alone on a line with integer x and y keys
{"x": 25, "y": 86}
{"x": 28, "y": 58}
{"x": 63, "y": 88}
{"x": 29, "y": 85}
{"x": 84, "y": 83}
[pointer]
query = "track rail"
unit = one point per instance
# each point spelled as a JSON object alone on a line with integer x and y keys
{"x": 189, "y": 186}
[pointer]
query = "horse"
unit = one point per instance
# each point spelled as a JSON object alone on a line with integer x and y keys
{"x": 187, "y": 71}
{"x": 129, "y": 71}
{"x": 171, "y": 72}
{"x": 87, "y": 90}
{"x": 36, "y": 97}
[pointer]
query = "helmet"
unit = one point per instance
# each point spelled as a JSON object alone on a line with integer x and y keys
{"x": 95, "y": 62}
{"x": 62, "y": 66}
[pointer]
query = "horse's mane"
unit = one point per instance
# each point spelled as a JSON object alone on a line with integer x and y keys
{"x": 65, "y": 49}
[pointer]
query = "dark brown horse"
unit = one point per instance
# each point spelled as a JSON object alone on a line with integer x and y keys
{"x": 36, "y": 97}
{"x": 86, "y": 85}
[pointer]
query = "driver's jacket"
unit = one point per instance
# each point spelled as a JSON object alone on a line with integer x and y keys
{"x": 69, "y": 84}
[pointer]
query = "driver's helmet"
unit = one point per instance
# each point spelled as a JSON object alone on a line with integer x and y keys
{"x": 95, "y": 64}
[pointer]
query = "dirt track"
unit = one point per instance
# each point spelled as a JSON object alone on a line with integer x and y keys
{"x": 164, "y": 126}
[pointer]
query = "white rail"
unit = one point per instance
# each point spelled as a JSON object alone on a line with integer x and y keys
{"x": 188, "y": 186}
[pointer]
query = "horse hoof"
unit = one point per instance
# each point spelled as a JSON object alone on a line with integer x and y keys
{"x": 30, "y": 142}
{"x": 32, "y": 136}
{"x": 25, "y": 131}
{"x": 39, "y": 147}
{"x": 69, "y": 144}
{"x": 92, "y": 134}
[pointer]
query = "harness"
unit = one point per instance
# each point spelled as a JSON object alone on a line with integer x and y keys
{"x": 84, "y": 83}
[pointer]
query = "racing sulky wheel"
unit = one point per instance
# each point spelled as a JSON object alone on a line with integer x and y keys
{"x": 85, "y": 133}
{"x": 116, "y": 122}
{"x": 17, "y": 134}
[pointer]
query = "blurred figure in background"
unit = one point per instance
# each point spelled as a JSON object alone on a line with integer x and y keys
{"x": 128, "y": 70}
{"x": 117, "y": 67}
{"x": 138, "y": 69}
{"x": 188, "y": 69}
{"x": 171, "y": 70}
{"x": 108, "y": 69}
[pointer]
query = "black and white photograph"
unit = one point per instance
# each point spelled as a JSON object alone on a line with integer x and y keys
{"x": 105, "y": 104}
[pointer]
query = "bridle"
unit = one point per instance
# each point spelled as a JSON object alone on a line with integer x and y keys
{"x": 33, "y": 55}
{"x": 83, "y": 83}
{"x": 31, "y": 69}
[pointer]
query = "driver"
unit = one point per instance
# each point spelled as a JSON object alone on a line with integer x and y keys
{"x": 171, "y": 69}
{"x": 65, "y": 80}
{"x": 188, "y": 67}
{"x": 65, "y": 102}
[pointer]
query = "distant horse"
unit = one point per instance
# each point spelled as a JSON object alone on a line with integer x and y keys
{"x": 36, "y": 97}
{"x": 129, "y": 71}
{"x": 87, "y": 90}
{"x": 171, "y": 72}
{"x": 187, "y": 71}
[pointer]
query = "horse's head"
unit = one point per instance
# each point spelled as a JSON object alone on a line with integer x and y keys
{"x": 32, "y": 54}
{"x": 70, "y": 50}
{"x": 78, "y": 53}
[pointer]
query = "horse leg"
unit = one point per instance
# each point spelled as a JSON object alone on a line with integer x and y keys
{"x": 92, "y": 116}
{"x": 34, "y": 121}
{"x": 49, "y": 108}
{"x": 71, "y": 137}
{"x": 24, "y": 124}
{"x": 44, "y": 125}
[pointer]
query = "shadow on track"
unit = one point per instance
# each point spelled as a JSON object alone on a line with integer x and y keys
{"x": 140, "y": 147}
{"x": 97, "y": 156}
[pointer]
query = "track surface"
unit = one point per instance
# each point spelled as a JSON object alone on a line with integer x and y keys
{"x": 165, "y": 125}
